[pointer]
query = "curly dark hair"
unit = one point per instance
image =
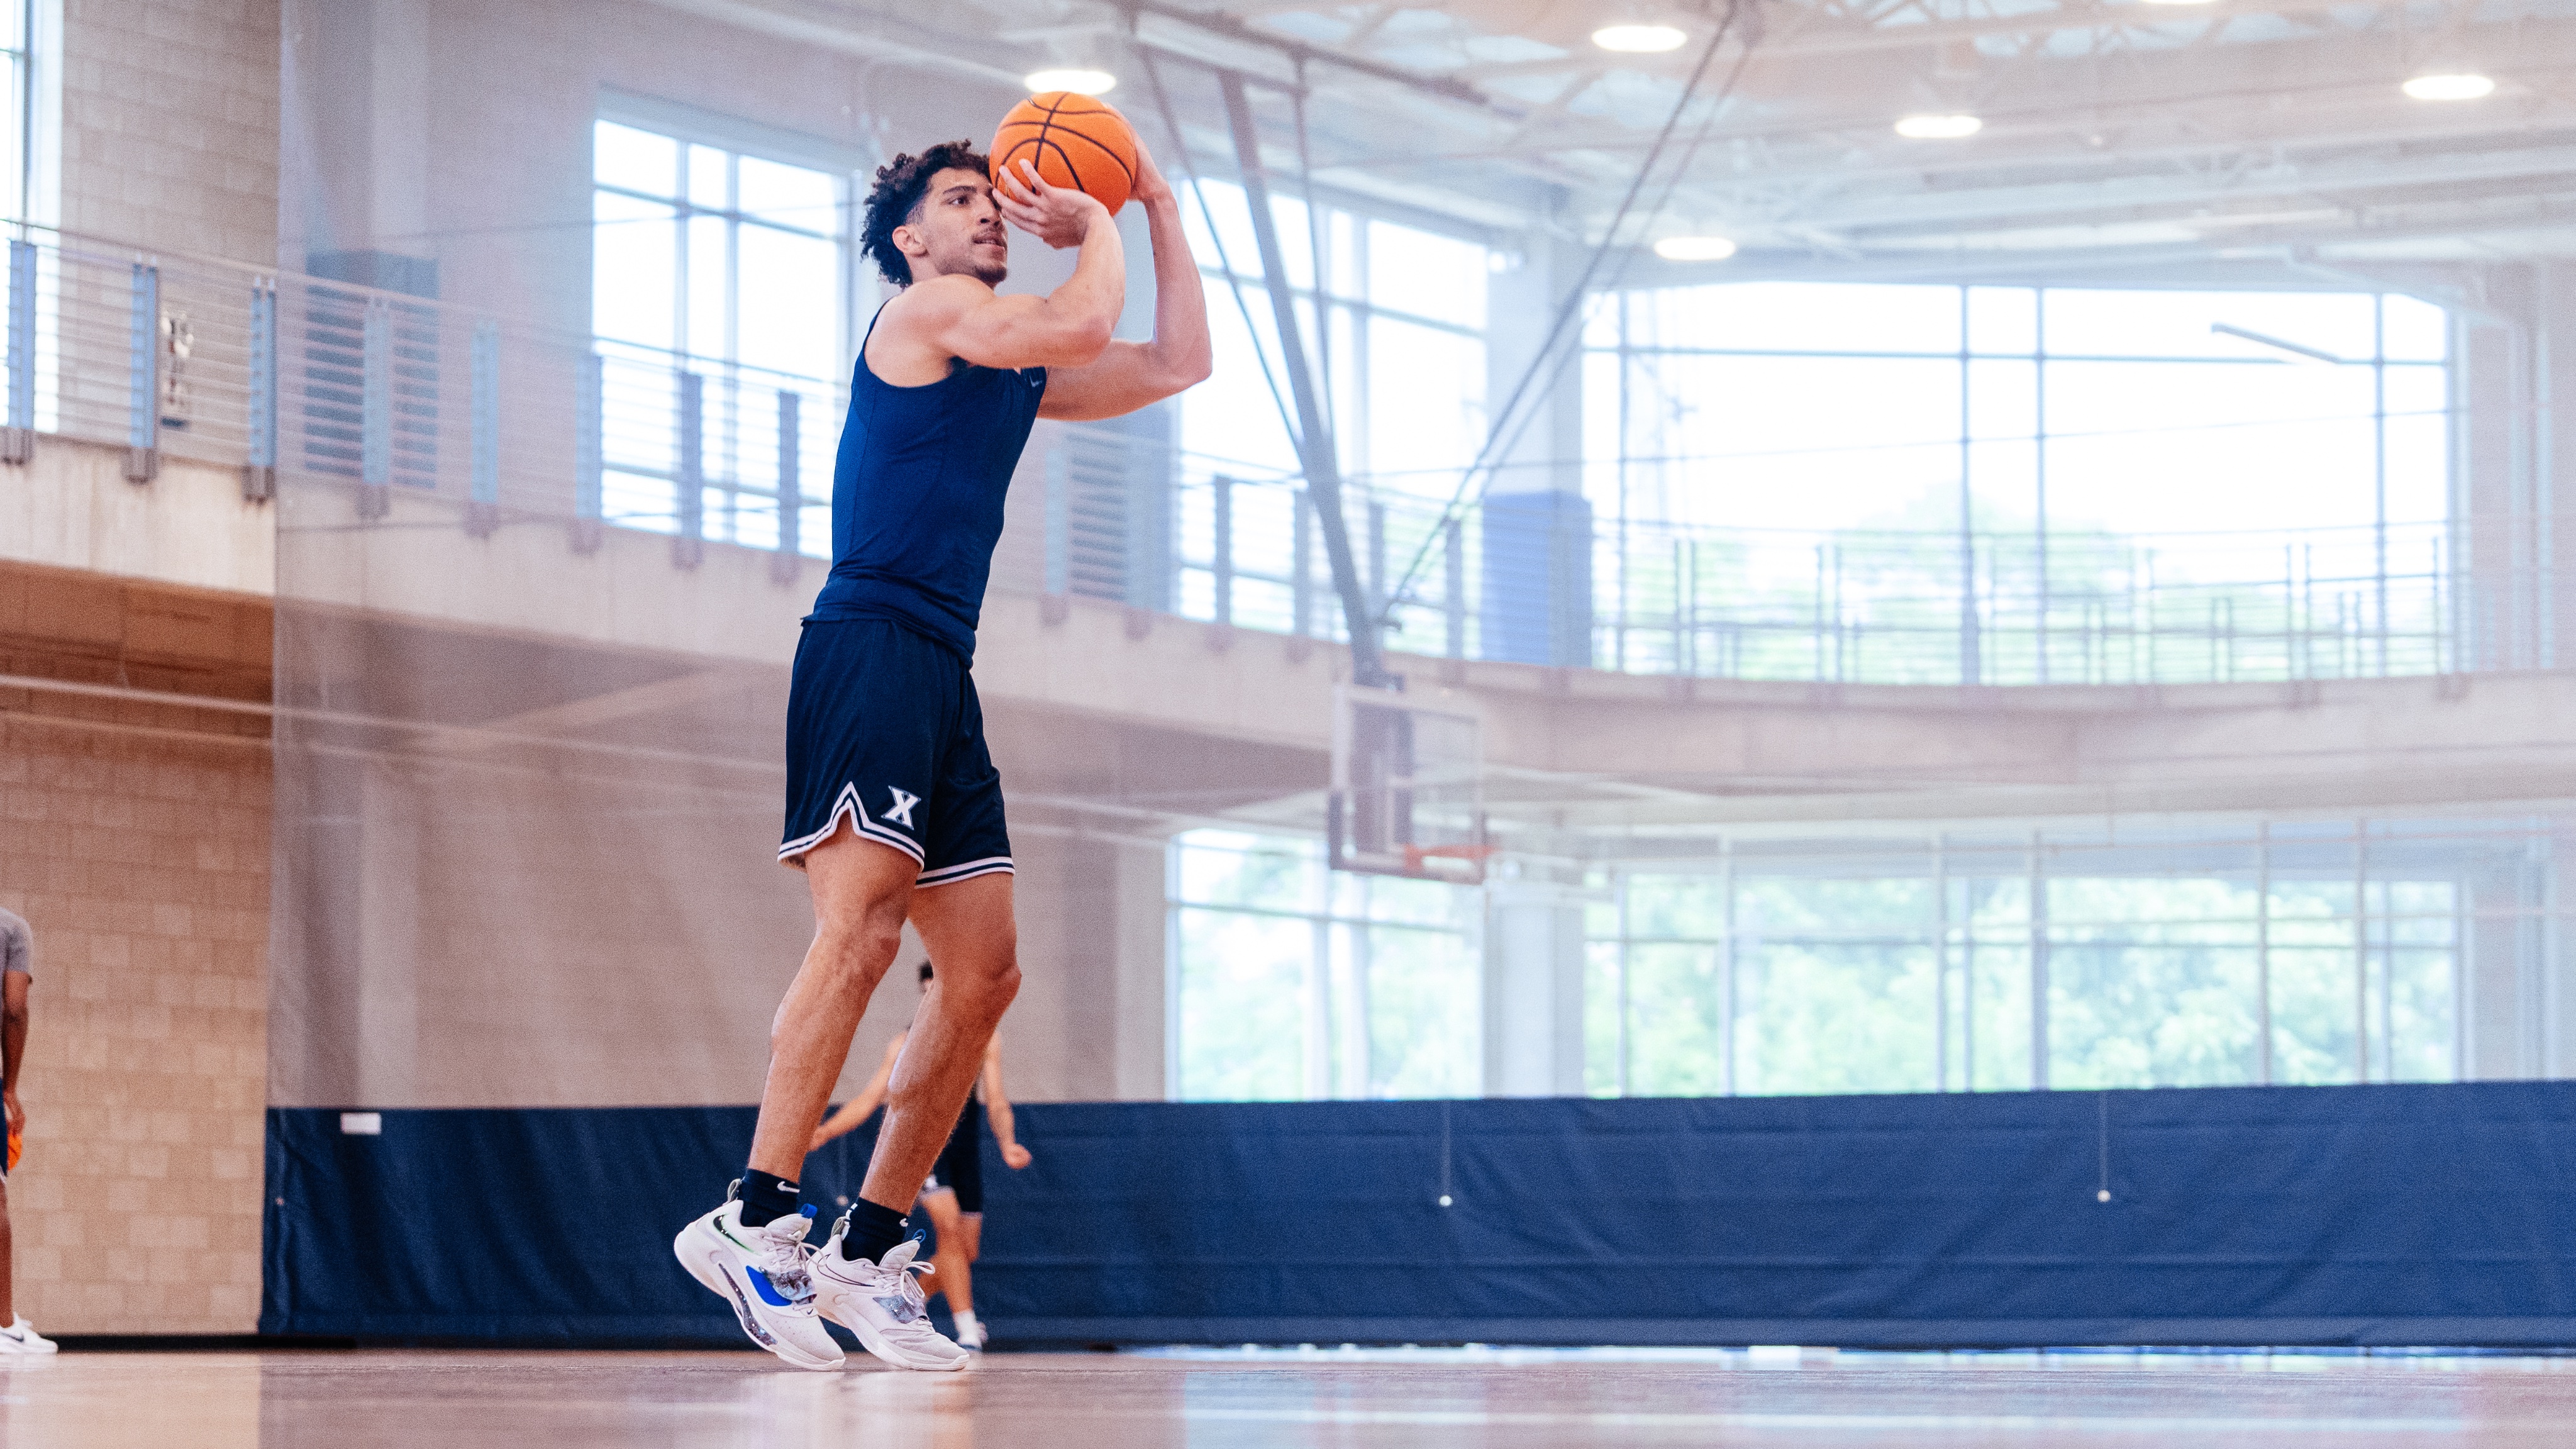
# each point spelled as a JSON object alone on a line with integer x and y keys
{"x": 896, "y": 201}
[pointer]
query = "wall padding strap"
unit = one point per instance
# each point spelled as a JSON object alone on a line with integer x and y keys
{"x": 2354, "y": 1215}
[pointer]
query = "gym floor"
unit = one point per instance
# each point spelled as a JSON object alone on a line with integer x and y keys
{"x": 1147, "y": 1400}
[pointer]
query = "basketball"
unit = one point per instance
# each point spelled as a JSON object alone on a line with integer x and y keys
{"x": 1076, "y": 140}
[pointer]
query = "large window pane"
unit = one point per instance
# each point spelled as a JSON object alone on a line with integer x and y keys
{"x": 635, "y": 270}
{"x": 634, "y": 160}
{"x": 1242, "y": 1016}
{"x": 788, "y": 321}
{"x": 788, "y": 196}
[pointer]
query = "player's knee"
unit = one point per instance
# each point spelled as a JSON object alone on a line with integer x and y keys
{"x": 994, "y": 987}
{"x": 862, "y": 944}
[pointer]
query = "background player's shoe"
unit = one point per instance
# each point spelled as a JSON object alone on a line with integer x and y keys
{"x": 21, "y": 1337}
{"x": 762, "y": 1273}
{"x": 882, "y": 1302}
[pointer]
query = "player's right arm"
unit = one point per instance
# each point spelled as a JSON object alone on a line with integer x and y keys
{"x": 961, "y": 316}
{"x": 859, "y": 1108}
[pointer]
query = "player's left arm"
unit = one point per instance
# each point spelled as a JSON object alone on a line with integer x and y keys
{"x": 13, "y": 1044}
{"x": 1130, "y": 375}
{"x": 997, "y": 1108}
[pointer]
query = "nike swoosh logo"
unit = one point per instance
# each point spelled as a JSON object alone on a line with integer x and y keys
{"x": 769, "y": 1294}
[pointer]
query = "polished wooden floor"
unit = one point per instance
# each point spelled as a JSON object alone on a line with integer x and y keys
{"x": 1203, "y": 1400}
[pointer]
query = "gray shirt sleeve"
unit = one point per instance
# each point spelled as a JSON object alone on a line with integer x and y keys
{"x": 17, "y": 944}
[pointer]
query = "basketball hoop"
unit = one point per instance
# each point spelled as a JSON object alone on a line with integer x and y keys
{"x": 1418, "y": 857}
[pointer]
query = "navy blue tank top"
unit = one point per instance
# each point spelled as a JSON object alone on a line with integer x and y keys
{"x": 917, "y": 496}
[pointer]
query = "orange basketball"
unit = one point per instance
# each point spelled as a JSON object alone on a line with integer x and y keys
{"x": 1076, "y": 140}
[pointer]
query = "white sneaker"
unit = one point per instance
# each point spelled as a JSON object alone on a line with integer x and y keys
{"x": 21, "y": 1337}
{"x": 881, "y": 1302}
{"x": 761, "y": 1272}
{"x": 971, "y": 1336}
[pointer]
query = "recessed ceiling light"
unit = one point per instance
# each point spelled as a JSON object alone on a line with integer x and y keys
{"x": 1695, "y": 249}
{"x": 2450, "y": 86}
{"x": 1938, "y": 128}
{"x": 1639, "y": 39}
{"x": 1080, "y": 82}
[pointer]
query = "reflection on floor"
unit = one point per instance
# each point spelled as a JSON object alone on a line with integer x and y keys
{"x": 1321, "y": 1395}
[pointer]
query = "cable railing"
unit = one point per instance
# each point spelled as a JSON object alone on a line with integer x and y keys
{"x": 379, "y": 397}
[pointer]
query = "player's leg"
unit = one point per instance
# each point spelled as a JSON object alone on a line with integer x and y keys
{"x": 752, "y": 1251}
{"x": 861, "y": 892}
{"x": 16, "y": 1334}
{"x": 864, "y": 1283}
{"x": 949, "y": 1274}
{"x": 970, "y": 932}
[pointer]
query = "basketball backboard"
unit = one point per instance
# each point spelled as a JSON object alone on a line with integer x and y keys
{"x": 1408, "y": 793}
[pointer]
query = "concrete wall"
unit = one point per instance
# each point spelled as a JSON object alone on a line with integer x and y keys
{"x": 72, "y": 508}
{"x": 136, "y": 845}
{"x": 170, "y": 124}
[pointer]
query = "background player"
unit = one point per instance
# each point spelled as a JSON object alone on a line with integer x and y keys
{"x": 894, "y": 809}
{"x": 954, "y": 1193}
{"x": 17, "y": 973}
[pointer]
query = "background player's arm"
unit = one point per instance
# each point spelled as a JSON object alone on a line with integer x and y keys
{"x": 997, "y": 1108}
{"x": 859, "y": 1108}
{"x": 13, "y": 1043}
{"x": 1129, "y": 375}
{"x": 960, "y": 316}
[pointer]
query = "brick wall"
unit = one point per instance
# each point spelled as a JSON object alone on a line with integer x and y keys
{"x": 136, "y": 845}
{"x": 170, "y": 133}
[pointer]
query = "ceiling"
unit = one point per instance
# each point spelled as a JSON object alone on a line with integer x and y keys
{"x": 2117, "y": 133}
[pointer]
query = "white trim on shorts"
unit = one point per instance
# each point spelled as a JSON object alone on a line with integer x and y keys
{"x": 847, "y": 802}
{"x": 964, "y": 870}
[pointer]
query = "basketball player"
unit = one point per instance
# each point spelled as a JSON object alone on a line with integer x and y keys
{"x": 894, "y": 810}
{"x": 17, "y": 973}
{"x": 954, "y": 1193}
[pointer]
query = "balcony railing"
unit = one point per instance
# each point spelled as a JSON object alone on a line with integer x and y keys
{"x": 372, "y": 394}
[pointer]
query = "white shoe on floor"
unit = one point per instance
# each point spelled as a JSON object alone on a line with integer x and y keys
{"x": 882, "y": 1302}
{"x": 762, "y": 1273}
{"x": 971, "y": 1336}
{"x": 21, "y": 1337}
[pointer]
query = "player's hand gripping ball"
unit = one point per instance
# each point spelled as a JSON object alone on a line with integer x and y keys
{"x": 1076, "y": 140}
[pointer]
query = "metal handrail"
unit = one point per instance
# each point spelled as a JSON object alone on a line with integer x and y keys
{"x": 379, "y": 394}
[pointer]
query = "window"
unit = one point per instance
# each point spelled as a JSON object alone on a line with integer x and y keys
{"x": 1402, "y": 352}
{"x": 1927, "y": 484}
{"x": 721, "y": 297}
{"x": 2283, "y": 953}
{"x": 1296, "y": 981}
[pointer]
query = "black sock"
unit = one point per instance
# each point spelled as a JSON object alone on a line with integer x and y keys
{"x": 873, "y": 1231}
{"x": 766, "y": 1198}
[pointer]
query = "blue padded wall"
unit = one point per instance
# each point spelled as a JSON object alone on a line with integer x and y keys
{"x": 2386, "y": 1215}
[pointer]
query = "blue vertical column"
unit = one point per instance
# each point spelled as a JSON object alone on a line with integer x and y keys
{"x": 259, "y": 471}
{"x": 376, "y": 409}
{"x": 1221, "y": 548}
{"x": 1537, "y": 584}
{"x": 1453, "y": 557}
{"x": 1059, "y": 523}
{"x": 589, "y": 467}
{"x": 483, "y": 507}
{"x": 788, "y": 560}
{"x": 19, "y": 444}
{"x": 689, "y": 548}
{"x": 143, "y": 378}
{"x": 1301, "y": 568}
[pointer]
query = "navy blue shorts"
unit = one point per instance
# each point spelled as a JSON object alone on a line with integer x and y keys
{"x": 884, "y": 730}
